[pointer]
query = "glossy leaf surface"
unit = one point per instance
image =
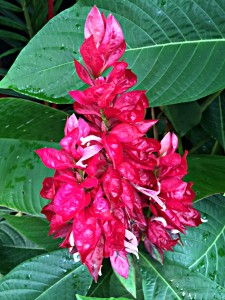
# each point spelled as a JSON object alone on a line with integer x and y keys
{"x": 48, "y": 276}
{"x": 172, "y": 46}
{"x": 21, "y": 170}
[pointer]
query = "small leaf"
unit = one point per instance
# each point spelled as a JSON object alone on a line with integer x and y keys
{"x": 129, "y": 283}
{"x": 5, "y": 34}
{"x": 48, "y": 276}
{"x": 9, "y": 6}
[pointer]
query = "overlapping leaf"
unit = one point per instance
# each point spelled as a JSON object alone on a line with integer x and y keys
{"x": 21, "y": 171}
{"x": 14, "y": 248}
{"x": 207, "y": 173}
{"x": 35, "y": 229}
{"x": 172, "y": 46}
{"x": 48, "y": 276}
{"x": 213, "y": 120}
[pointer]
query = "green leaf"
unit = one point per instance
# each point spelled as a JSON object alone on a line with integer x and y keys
{"x": 35, "y": 229}
{"x": 130, "y": 283}
{"x": 94, "y": 298}
{"x": 183, "y": 116}
{"x": 14, "y": 248}
{"x": 213, "y": 120}
{"x": 8, "y": 52}
{"x": 172, "y": 281}
{"x": 11, "y": 23}
{"x": 21, "y": 170}
{"x": 196, "y": 269}
{"x": 207, "y": 173}
{"x": 7, "y": 5}
{"x": 48, "y": 276}
{"x": 5, "y": 34}
{"x": 172, "y": 46}
{"x": 203, "y": 249}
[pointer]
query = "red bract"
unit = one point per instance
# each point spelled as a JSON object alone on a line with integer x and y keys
{"x": 107, "y": 170}
{"x": 104, "y": 42}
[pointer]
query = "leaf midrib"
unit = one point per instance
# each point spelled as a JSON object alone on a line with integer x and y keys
{"x": 128, "y": 50}
{"x": 160, "y": 276}
{"x": 57, "y": 282}
{"x": 213, "y": 243}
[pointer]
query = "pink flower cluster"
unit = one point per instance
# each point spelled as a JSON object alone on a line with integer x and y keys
{"x": 107, "y": 170}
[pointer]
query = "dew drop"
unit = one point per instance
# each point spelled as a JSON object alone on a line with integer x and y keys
{"x": 77, "y": 26}
{"x": 62, "y": 47}
{"x": 77, "y": 14}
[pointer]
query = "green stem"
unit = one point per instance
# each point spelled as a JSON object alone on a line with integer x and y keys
{"x": 209, "y": 100}
{"x": 215, "y": 148}
{"x": 105, "y": 121}
{"x": 198, "y": 145}
{"x": 27, "y": 18}
{"x": 180, "y": 145}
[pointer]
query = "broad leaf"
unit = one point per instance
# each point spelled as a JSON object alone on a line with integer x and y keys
{"x": 207, "y": 173}
{"x": 94, "y": 298}
{"x": 172, "y": 46}
{"x": 195, "y": 270}
{"x": 49, "y": 276}
{"x": 183, "y": 116}
{"x": 14, "y": 248}
{"x": 213, "y": 120}
{"x": 203, "y": 249}
{"x": 35, "y": 229}
{"x": 21, "y": 170}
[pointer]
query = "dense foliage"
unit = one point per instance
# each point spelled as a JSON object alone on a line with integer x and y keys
{"x": 176, "y": 48}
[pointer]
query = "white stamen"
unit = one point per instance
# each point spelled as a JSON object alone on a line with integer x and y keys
{"x": 160, "y": 219}
{"x": 174, "y": 231}
{"x": 151, "y": 193}
{"x": 100, "y": 271}
{"x": 88, "y": 152}
{"x": 90, "y": 138}
{"x": 71, "y": 240}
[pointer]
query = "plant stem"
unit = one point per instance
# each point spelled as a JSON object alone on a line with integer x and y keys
{"x": 215, "y": 148}
{"x": 198, "y": 145}
{"x": 105, "y": 121}
{"x": 209, "y": 100}
{"x": 155, "y": 129}
{"x": 27, "y": 18}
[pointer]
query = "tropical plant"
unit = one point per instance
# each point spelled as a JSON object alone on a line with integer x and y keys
{"x": 176, "y": 49}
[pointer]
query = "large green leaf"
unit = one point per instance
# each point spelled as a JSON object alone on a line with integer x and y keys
{"x": 35, "y": 229}
{"x": 21, "y": 133}
{"x": 94, "y": 298}
{"x": 48, "y": 276}
{"x": 173, "y": 47}
{"x": 14, "y": 248}
{"x": 195, "y": 270}
{"x": 203, "y": 249}
{"x": 213, "y": 120}
{"x": 207, "y": 173}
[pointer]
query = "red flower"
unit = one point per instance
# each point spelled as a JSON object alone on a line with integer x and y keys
{"x": 107, "y": 170}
